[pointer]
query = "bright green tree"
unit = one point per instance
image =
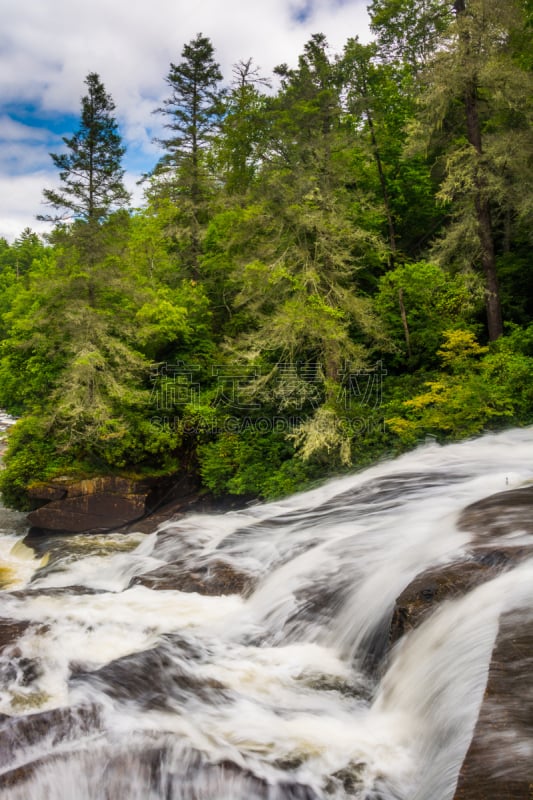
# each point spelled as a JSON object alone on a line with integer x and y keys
{"x": 308, "y": 236}
{"x": 298, "y": 248}
{"x": 409, "y": 31}
{"x": 379, "y": 103}
{"x": 418, "y": 302}
{"x": 243, "y": 133}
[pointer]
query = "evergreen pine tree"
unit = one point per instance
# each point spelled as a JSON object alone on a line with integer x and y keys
{"x": 193, "y": 107}
{"x": 91, "y": 173}
{"x": 193, "y": 110}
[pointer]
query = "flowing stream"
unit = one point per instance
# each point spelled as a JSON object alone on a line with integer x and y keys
{"x": 117, "y": 691}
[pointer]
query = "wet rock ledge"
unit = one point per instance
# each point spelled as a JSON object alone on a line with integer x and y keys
{"x": 100, "y": 504}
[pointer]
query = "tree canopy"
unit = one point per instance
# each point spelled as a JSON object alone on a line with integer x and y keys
{"x": 330, "y": 264}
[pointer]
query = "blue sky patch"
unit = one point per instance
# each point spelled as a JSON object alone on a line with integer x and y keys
{"x": 34, "y": 117}
{"x": 301, "y": 12}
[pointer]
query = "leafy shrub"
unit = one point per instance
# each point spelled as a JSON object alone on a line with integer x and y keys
{"x": 30, "y": 457}
{"x": 479, "y": 388}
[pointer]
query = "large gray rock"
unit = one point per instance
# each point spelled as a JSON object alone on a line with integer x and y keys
{"x": 500, "y": 516}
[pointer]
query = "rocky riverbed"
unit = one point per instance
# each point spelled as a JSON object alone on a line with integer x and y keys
{"x": 370, "y": 639}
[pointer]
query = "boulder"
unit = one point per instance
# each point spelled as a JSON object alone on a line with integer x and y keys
{"x": 91, "y": 505}
{"x": 501, "y": 526}
{"x": 104, "y": 503}
{"x": 154, "y": 679}
{"x": 217, "y": 577}
{"x": 500, "y": 515}
{"x": 420, "y": 598}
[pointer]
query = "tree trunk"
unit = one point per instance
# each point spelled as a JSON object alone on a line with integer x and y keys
{"x": 486, "y": 239}
{"x": 405, "y": 324}
{"x": 482, "y": 206}
{"x": 195, "y": 190}
{"x": 384, "y": 189}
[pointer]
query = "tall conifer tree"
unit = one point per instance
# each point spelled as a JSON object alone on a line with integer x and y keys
{"x": 90, "y": 171}
{"x": 193, "y": 110}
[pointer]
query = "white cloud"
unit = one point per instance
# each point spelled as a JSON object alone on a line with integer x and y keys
{"x": 47, "y": 49}
{"x": 12, "y": 130}
{"x": 23, "y": 148}
{"x": 20, "y": 201}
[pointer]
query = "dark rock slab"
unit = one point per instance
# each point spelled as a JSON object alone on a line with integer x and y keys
{"x": 55, "y": 591}
{"x": 153, "y": 679}
{"x": 10, "y": 631}
{"x": 433, "y": 586}
{"x": 217, "y": 577}
{"x": 420, "y": 598}
{"x": 499, "y": 762}
{"x": 101, "y": 503}
{"x": 499, "y": 515}
{"x": 89, "y": 513}
{"x": 95, "y": 510}
{"x": 104, "y": 503}
{"x": 47, "y": 728}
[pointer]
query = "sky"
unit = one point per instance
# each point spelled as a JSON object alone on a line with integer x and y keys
{"x": 48, "y": 47}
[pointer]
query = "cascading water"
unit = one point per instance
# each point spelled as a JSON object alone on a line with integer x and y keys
{"x": 160, "y": 694}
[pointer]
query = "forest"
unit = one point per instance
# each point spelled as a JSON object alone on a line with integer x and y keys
{"x": 330, "y": 264}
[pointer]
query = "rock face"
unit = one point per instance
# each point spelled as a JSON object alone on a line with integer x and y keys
{"x": 94, "y": 504}
{"x": 97, "y": 504}
{"x": 499, "y": 762}
{"x": 419, "y": 599}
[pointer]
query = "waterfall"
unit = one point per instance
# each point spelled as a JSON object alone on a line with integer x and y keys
{"x": 120, "y": 688}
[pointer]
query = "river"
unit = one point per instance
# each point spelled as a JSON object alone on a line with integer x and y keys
{"x": 279, "y": 693}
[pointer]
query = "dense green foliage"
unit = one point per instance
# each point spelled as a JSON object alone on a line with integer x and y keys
{"x": 323, "y": 273}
